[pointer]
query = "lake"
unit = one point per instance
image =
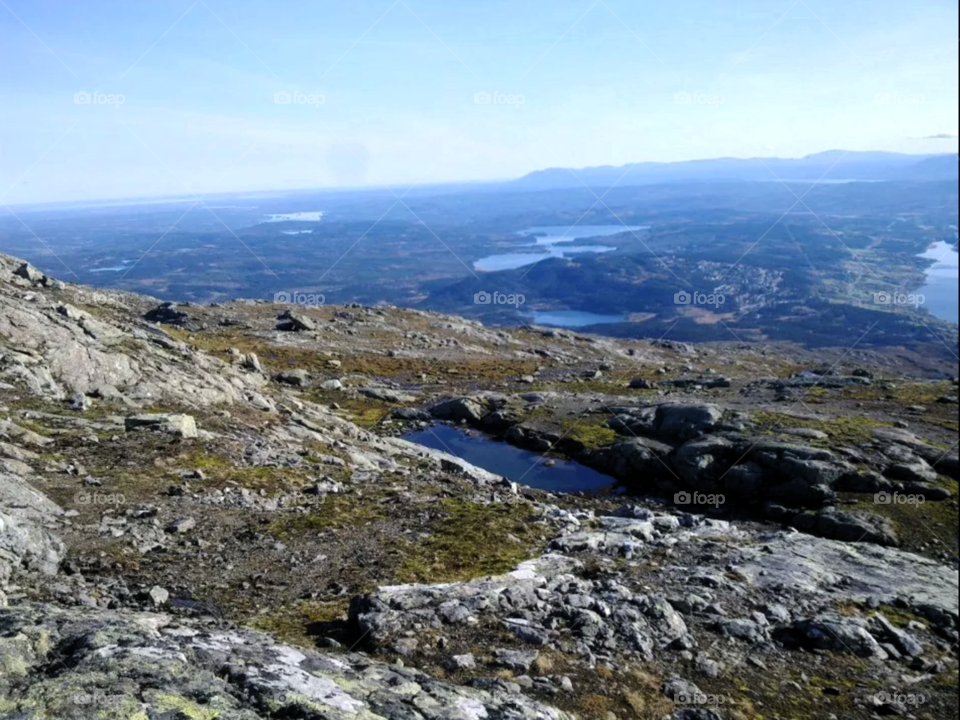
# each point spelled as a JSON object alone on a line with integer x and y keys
{"x": 940, "y": 291}
{"x": 311, "y": 216}
{"x": 546, "y": 238}
{"x": 511, "y": 462}
{"x": 553, "y": 234}
{"x": 574, "y": 318}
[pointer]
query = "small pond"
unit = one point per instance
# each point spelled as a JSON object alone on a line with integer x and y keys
{"x": 521, "y": 466}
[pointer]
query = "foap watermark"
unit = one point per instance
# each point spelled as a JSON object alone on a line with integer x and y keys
{"x": 685, "y": 298}
{"x": 896, "y": 98}
{"x": 98, "y": 699}
{"x": 87, "y": 297}
{"x": 85, "y": 497}
{"x": 897, "y": 498}
{"x": 897, "y": 298}
{"x": 498, "y": 98}
{"x": 298, "y": 98}
{"x": 699, "y": 698}
{"x": 299, "y": 298}
{"x": 498, "y": 298}
{"x": 698, "y": 498}
{"x": 98, "y": 98}
{"x": 698, "y": 98}
{"x": 895, "y": 698}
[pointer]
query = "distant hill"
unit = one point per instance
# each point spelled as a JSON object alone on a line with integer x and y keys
{"x": 833, "y": 165}
{"x": 938, "y": 167}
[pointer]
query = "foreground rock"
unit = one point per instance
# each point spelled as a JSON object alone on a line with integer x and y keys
{"x": 114, "y": 665}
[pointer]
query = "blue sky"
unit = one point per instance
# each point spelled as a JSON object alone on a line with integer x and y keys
{"x": 394, "y": 87}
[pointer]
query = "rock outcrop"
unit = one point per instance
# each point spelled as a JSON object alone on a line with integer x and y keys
{"x": 77, "y": 664}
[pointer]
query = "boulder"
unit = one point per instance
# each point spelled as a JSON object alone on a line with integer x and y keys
{"x": 24, "y": 544}
{"x": 410, "y": 414}
{"x": 29, "y": 272}
{"x": 516, "y": 660}
{"x": 796, "y": 474}
{"x": 182, "y": 525}
{"x": 848, "y": 527}
{"x": 461, "y": 662}
{"x": 296, "y": 378}
{"x": 742, "y": 629}
{"x": 903, "y": 641}
{"x": 863, "y": 482}
{"x": 707, "y": 383}
{"x": 175, "y": 424}
{"x": 386, "y": 395}
{"x": 945, "y": 464}
{"x": 703, "y": 461}
{"x": 918, "y": 471}
{"x": 72, "y": 313}
{"x": 471, "y": 410}
{"x": 251, "y": 362}
{"x": 640, "y": 461}
{"x": 686, "y": 420}
{"x": 832, "y": 632}
{"x": 167, "y": 314}
{"x": 744, "y": 482}
{"x": 293, "y": 321}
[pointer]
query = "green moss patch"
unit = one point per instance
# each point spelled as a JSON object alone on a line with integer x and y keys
{"x": 471, "y": 540}
{"x": 846, "y": 430}
{"x": 337, "y": 511}
{"x": 304, "y": 622}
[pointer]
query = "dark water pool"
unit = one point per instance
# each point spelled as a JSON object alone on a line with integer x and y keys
{"x": 521, "y": 466}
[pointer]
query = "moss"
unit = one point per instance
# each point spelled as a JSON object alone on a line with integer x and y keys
{"x": 220, "y": 472}
{"x": 948, "y": 423}
{"x": 471, "y": 540}
{"x": 203, "y": 461}
{"x": 337, "y": 511}
{"x": 13, "y": 666}
{"x": 931, "y": 528}
{"x": 588, "y": 430}
{"x": 592, "y": 436}
{"x": 300, "y": 624}
{"x": 844, "y": 430}
{"x": 168, "y": 701}
{"x": 898, "y": 616}
{"x": 903, "y": 393}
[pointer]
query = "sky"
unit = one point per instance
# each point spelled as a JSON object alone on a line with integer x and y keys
{"x": 104, "y": 100}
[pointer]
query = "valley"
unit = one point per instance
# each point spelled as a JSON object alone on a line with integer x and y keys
{"x": 807, "y": 273}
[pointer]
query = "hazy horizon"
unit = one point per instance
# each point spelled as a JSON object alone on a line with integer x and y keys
{"x": 266, "y": 192}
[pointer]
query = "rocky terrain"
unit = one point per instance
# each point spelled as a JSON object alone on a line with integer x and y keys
{"x": 211, "y": 512}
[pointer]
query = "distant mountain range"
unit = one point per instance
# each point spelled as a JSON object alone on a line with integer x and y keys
{"x": 834, "y": 165}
